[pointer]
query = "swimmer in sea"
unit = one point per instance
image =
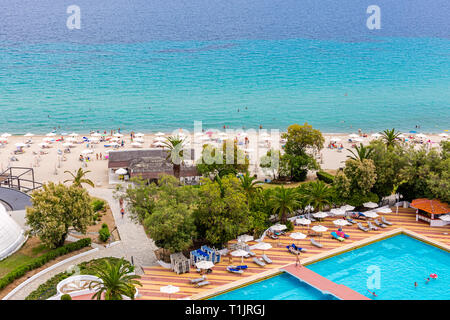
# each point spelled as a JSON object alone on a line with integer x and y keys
{"x": 415, "y": 284}
{"x": 427, "y": 280}
{"x": 373, "y": 293}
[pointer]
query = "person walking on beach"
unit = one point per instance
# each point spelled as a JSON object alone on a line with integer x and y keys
{"x": 297, "y": 260}
{"x": 122, "y": 212}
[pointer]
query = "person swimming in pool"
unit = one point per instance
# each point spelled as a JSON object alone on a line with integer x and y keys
{"x": 373, "y": 293}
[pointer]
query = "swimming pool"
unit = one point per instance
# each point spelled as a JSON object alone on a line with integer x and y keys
{"x": 389, "y": 268}
{"x": 280, "y": 287}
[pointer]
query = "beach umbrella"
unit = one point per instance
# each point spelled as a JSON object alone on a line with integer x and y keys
{"x": 51, "y": 134}
{"x": 309, "y": 208}
{"x": 160, "y": 139}
{"x": 337, "y": 212}
{"x": 87, "y": 151}
{"x": 136, "y": 144}
{"x": 6, "y": 135}
{"x": 303, "y": 221}
{"x": 121, "y": 171}
{"x": 421, "y": 135}
{"x": 239, "y": 253}
{"x": 71, "y": 139}
{"x": 320, "y": 215}
{"x": 204, "y": 264}
{"x": 401, "y": 135}
{"x": 118, "y": 135}
{"x": 159, "y": 134}
{"x": 48, "y": 139}
{"x": 73, "y": 134}
{"x": 96, "y": 134}
{"x": 384, "y": 210}
{"x": 67, "y": 144}
{"x": 245, "y": 238}
{"x": 278, "y": 227}
{"x": 376, "y": 135}
{"x": 340, "y": 222}
{"x": 139, "y": 140}
{"x": 359, "y": 139}
{"x": 298, "y": 236}
{"x": 443, "y": 135}
{"x": 262, "y": 246}
{"x": 170, "y": 289}
{"x": 114, "y": 144}
{"x": 43, "y": 144}
{"x": 335, "y": 139}
{"x": 445, "y": 217}
{"x": 347, "y": 207}
{"x": 159, "y": 144}
{"x": 353, "y": 135}
{"x": 93, "y": 139}
{"x": 319, "y": 228}
{"x": 370, "y": 205}
{"x": 20, "y": 145}
{"x": 114, "y": 139}
{"x": 370, "y": 214}
{"x": 139, "y": 134}
{"x": 29, "y": 135}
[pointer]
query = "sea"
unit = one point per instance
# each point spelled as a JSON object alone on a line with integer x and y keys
{"x": 159, "y": 65}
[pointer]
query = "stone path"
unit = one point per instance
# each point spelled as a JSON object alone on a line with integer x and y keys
{"x": 134, "y": 243}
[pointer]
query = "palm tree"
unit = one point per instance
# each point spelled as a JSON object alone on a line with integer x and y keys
{"x": 282, "y": 201}
{"x": 79, "y": 178}
{"x": 175, "y": 145}
{"x": 362, "y": 152}
{"x": 249, "y": 184}
{"x": 390, "y": 137}
{"x": 115, "y": 281}
{"x": 318, "y": 194}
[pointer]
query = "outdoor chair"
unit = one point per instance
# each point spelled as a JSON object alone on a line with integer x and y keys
{"x": 360, "y": 226}
{"x": 202, "y": 284}
{"x": 378, "y": 223}
{"x": 266, "y": 259}
{"x": 315, "y": 243}
{"x": 371, "y": 226}
{"x": 385, "y": 221}
{"x": 197, "y": 280}
{"x": 258, "y": 262}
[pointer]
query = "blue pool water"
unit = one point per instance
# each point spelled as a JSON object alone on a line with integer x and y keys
{"x": 281, "y": 287}
{"x": 398, "y": 261}
{"x": 152, "y": 65}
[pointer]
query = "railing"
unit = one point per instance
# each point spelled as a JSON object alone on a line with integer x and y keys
{"x": 15, "y": 178}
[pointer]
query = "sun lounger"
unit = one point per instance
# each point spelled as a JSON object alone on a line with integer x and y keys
{"x": 360, "y": 226}
{"x": 197, "y": 280}
{"x": 258, "y": 262}
{"x": 335, "y": 236}
{"x": 234, "y": 270}
{"x": 371, "y": 226}
{"x": 315, "y": 243}
{"x": 298, "y": 248}
{"x": 266, "y": 259}
{"x": 242, "y": 267}
{"x": 378, "y": 223}
{"x": 202, "y": 284}
{"x": 251, "y": 253}
{"x": 350, "y": 220}
{"x": 385, "y": 221}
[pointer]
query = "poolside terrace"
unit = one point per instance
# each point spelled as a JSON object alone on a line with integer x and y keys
{"x": 220, "y": 279}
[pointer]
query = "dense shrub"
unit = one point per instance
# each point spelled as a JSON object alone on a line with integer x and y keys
{"x": 104, "y": 233}
{"x": 289, "y": 226}
{"x": 41, "y": 260}
{"x": 325, "y": 177}
{"x": 48, "y": 289}
{"x": 98, "y": 205}
{"x": 66, "y": 297}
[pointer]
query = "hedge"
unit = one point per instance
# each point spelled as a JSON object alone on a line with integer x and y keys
{"x": 48, "y": 289}
{"x": 21, "y": 270}
{"x": 325, "y": 176}
{"x": 104, "y": 233}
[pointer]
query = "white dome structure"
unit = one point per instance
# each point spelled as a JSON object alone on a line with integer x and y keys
{"x": 12, "y": 236}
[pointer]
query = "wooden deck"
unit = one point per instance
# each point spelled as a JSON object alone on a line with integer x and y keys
{"x": 323, "y": 284}
{"x": 156, "y": 276}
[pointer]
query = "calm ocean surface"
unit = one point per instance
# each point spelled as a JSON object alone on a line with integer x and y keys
{"x": 151, "y": 65}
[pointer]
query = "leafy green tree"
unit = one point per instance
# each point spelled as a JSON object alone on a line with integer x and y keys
{"x": 317, "y": 193}
{"x": 172, "y": 227}
{"x": 55, "y": 209}
{"x": 362, "y": 152}
{"x": 175, "y": 146}
{"x": 115, "y": 281}
{"x": 250, "y": 185}
{"x": 229, "y": 159}
{"x": 271, "y": 164}
{"x": 221, "y": 215}
{"x": 283, "y": 201}
{"x": 79, "y": 178}
{"x": 390, "y": 137}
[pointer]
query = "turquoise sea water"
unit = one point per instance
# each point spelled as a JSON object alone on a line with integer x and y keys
{"x": 400, "y": 260}
{"x": 151, "y": 65}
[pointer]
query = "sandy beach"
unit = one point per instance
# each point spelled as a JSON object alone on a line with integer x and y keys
{"x": 49, "y": 166}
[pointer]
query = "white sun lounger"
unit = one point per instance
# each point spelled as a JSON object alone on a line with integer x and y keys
{"x": 266, "y": 259}
{"x": 258, "y": 262}
{"x": 315, "y": 243}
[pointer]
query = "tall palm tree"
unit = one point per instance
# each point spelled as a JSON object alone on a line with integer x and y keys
{"x": 115, "y": 281}
{"x": 282, "y": 201}
{"x": 390, "y": 137}
{"x": 79, "y": 178}
{"x": 318, "y": 194}
{"x": 249, "y": 185}
{"x": 362, "y": 152}
{"x": 175, "y": 146}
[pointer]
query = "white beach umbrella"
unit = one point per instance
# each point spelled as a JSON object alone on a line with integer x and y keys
{"x": 51, "y": 134}
{"x": 239, "y": 253}
{"x": 96, "y": 134}
{"x": 245, "y": 238}
{"x": 445, "y": 217}
{"x": 421, "y": 135}
{"x": 114, "y": 139}
{"x": 204, "y": 264}
{"x": 264, "y": 134}
{"x": 140, "y": 140}
{"x": 118, "y": 135}
{"x": 353, "y": 135}
{"x": 401, "y": 136}
{"x": 43, "y": 144}
{"x": 170, "y": 289}
{"x": 358, "y": 139}
{"x": 319, "y": 228}
{"x": 347, "y": 207}
{"x": 6, "y": 135}
{"x": 337, "y": 212}
{"x": 139, "y": 134}
{"x": 87, "y": 151}
{"x": 48, "y": 139}
{"x": 320, "y": 215}
{"x": 159, "y": 139}
{"x": 20, "y": 145}
{"x": 121, "y": 171}
{"x": 298, "y": 235}
{"x": 114, "y": 144}
{"x": 67, "y": 144}
{"x": 29, "y": 135}
{"x": 159, "y": 134}
{"x": 376, "y": 135}
{"x": 278, "y": 227}
{"x": 335, "y": 139}
{"x": 370, "y": 205}
{"x": 71, "y": 139}
{"x": 73, "y": 134}
{"x": 340, "y": 222}
{"x": 262, "y": 246}
{"x": 384, "y": 210}
{"x": 136, "y": 145}
{"x": 444, "y": 135}
{"x": 303, "y": 221}
{"x": 93, "y": 139}
{"x": 159, "y": 144}
{"x": 370, "y": 214}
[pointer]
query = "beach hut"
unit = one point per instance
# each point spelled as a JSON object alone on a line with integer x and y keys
{"x": 430, "y": 210}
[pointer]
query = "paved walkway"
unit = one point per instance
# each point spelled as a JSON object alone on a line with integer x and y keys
{"x": 134, "y": 243}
